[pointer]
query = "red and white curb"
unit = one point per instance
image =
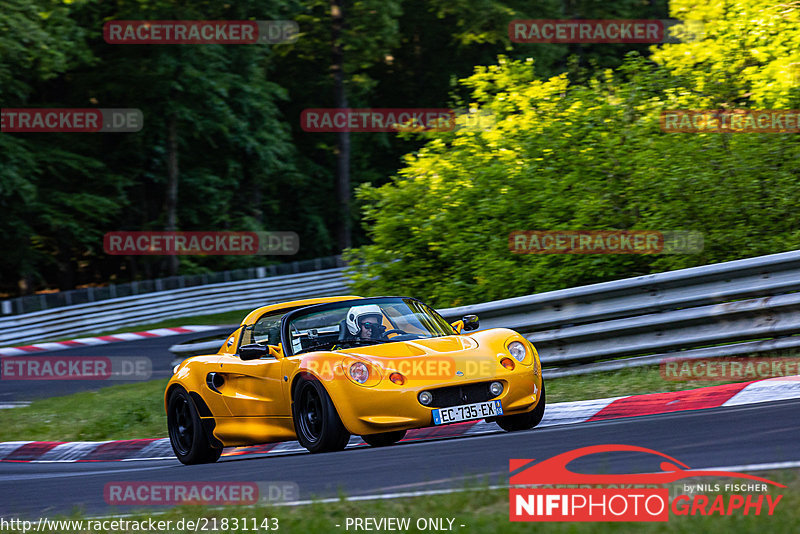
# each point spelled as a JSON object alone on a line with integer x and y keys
{"x": 562, "y": 413}
{"x": 102, "y": 340}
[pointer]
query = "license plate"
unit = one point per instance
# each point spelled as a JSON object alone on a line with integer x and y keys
{"x": 479, "y": 410}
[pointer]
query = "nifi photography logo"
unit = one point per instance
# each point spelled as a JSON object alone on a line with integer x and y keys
{"x": 548, "y": 491}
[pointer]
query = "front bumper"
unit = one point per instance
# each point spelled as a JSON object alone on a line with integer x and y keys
{"x": 388, "y": 407}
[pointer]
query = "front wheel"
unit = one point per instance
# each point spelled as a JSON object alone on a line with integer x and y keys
{"x": 186, "y": 433}
{"x": 318, "y": 426}
{"x": 524, "y": 421}
{"x": 384, "y": 439}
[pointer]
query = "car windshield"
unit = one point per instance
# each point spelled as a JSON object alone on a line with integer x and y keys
{"x": 353, "y": 323}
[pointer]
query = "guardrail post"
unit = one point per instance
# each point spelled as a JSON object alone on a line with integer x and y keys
{"x": 6, "y": 307}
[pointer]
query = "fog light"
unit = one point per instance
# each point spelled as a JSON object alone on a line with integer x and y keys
{"x": 496, "y": 388}
{"x": 508, "y": 363}
{"x": 425, "y": 398}
{"x": 397, "y": 378}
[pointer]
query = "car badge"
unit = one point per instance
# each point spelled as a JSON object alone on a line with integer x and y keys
{"x": 459, "y": 373}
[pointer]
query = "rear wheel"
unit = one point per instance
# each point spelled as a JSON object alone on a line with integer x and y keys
{"x": 524, "y": 421}
{"x": 384, "y": 438}
{"x": 318, "y": 426}
{"x": 186, "y": 433}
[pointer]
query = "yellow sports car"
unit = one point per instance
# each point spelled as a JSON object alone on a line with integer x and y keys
{"x": 319, "y": 370}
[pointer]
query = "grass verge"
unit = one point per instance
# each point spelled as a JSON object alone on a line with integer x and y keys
{"x": 127, "y": 411}
{"x": 480, "y": 511}
{"x": 134, "y": 411}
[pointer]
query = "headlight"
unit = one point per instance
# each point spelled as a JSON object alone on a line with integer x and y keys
{"x": 517, "y": 350}
{"x": 425, "y": 398}
{"x": 496, "y": 388}
{"x": 175, "y": 369}
{"x": 359, "y": 372}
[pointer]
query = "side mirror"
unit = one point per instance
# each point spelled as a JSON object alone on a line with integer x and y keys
{"x": 253, "y": 351}
{"x": 275, "y": 350}
{"x": 470, "y": 322}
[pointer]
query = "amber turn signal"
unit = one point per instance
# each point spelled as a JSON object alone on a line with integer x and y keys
{"x": 508, "y": 363}
{"x": 397, "y": 378}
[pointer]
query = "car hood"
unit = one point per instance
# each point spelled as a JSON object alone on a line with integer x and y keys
{"x": 449, "y": 345}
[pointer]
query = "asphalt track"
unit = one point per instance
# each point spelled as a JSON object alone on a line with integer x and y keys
{"x": 720, "y": 437}
{"x": 157, "y": 349}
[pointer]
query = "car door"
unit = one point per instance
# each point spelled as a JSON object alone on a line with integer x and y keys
{"x": 255, "y": 388}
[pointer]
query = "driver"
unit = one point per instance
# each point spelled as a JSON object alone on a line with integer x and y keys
{"x": 365, "y": 322}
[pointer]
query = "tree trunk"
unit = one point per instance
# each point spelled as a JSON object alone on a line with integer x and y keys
{"x": 171, "y": 206}
{"x": 343, "y": 138}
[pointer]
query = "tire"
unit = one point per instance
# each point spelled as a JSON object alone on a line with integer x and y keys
{"x": 384, "y": 439}
{"x": 524, "y": 421}
{"x": 188, "y": 438}
{"x": 317, "y": 425}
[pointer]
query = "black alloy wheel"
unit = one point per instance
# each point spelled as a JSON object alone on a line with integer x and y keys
{"x": 316, "y": 422}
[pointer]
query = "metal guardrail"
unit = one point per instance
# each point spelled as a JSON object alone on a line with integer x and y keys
{"x": 201, "y": 300}
{"x": 738, "y": 307}
{"x": 46, "y": 301}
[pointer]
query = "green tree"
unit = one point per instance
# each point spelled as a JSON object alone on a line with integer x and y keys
{"x": 564, "y": 156}
{"x": 748, "y": 54}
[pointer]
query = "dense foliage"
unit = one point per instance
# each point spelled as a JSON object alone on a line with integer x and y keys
{"x": 592, "y": 155}
{"x": 576, "y": 142}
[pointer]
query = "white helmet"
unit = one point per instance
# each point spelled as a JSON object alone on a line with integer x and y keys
{"x": 357, "y": 312}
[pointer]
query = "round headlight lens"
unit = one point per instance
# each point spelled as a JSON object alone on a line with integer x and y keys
{"x": 359, "y": 372}
{"x": 517, "y": 350}
{"x": 425, "y": 398}
{"x": 496, "y": 388}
